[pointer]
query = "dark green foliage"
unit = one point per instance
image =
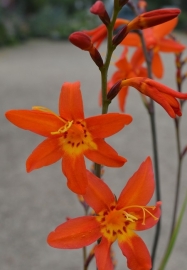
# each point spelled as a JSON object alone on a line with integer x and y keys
{"x": 57, "y": 19}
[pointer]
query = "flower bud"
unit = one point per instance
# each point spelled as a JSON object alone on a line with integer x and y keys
{"x": 95, "y": 55}
{"x": 112, "y": 93}
{"x": 152, "y": 18}
{"x": 81, "y": 40}
{"x": 99, "y": 9}
{"x": 117, "y": 39}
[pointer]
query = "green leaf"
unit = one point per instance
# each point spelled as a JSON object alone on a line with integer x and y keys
{"x": 174, "y": 236}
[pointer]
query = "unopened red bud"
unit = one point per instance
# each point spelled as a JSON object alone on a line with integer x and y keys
{"x": 99, "y": 9}
{"x": 112, "y": 93}
{"x": 117, "y": 39}
{"x": 95, "y": 55}
{"x": 152, "y": 18}
{"x": 81, "y": 40}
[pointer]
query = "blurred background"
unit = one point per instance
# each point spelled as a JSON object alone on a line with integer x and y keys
{"x": 56, "y": 19}
{"x": 32, "y": 74}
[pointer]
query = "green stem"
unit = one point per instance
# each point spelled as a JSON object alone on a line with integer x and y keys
{"x": 178, "y": 180}
{"x": 177, "y": 129}
{"x": 151, "y": 112}
{"x": 104, "y": 74}
{"x": 157, "y": 178}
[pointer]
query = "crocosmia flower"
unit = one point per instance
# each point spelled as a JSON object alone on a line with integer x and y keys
{"x": 114, "y": 220}
{"x": 125, "y": 69}
{"x": 70, "y": 136}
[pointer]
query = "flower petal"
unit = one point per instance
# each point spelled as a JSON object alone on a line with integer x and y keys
{"x": 46, "y": 153}
{"x": 70, "y": 101}
{"x": 42, "y": 123}
{"x": 169, "y": 45}
{"x": 136, "y": 252}
{"x": 105, "y": 155}
{"x": 131, "y": 39}
{"x": 138, "y": 57}
{"x": 140, "y": 187}
{"x": 122, "y": 96}
{"x": 157, "y": 66}
{"x": 164, "y": 29}
{"x": 151, "y": 218}
{"x": 102, "y": 255}
{"x": 75, "y": 233}
{"x": 106, "y": 125}
{"x": 98, "y": 195}
{"x": 75, "y": 170}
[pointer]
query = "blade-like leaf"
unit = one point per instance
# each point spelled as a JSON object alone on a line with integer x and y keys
{"x": 174, "y": 236}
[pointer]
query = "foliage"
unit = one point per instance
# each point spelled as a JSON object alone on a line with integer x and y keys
{"x": 43, "y": 18}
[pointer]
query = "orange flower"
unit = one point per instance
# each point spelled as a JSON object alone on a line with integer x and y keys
{"x": 160, "y": 93}
{"x": 155, "y": 42}
{"x": 126, "y": 69}
{"x": 114, "y": 220}
{"x": 70, "y": 136}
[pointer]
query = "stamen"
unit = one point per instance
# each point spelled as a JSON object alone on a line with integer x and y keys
{"x": 130, "y": 217}
{"x": 63, "y": 129}
{"x": 44, "y": 109}
{"x": 144, "y": 211}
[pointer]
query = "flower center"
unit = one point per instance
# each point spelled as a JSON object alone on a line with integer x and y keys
{"x": 115, "y": 222}
{"x": 75, "y": 138}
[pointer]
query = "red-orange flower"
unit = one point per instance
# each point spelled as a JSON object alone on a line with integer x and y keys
{"x": 156, "y": 41}
{"x": 114, "y": 220}
{"x": 160, "y": 93}
{"x": 126, "y": 69}
{"x": 70, "y": 136}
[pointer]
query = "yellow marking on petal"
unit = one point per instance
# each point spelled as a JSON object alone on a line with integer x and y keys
{"x": 115, "y": 223}
{"x": 44, "y": 109}
{"x": 76, "y": 139}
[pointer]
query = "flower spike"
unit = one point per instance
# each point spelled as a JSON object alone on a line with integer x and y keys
{"x": 114, "y": 220}
{"x": 70, "y": 136}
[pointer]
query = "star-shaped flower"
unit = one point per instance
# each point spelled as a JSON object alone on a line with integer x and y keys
{"x": 114, "y": 220}
{"x": 70, "y": 136}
